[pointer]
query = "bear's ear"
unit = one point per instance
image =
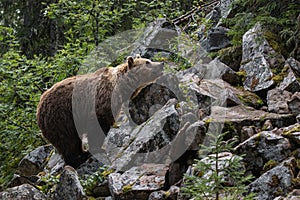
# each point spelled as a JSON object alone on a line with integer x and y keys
{"x": 138, "y": 56}
{"x": 130, "y": 62}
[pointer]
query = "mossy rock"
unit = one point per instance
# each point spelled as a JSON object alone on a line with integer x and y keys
{"x": 251, "y": 99}
{"x": 231, "y": 56}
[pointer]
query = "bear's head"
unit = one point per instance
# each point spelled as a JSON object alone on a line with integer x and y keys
{"x": 143, "y": 63}
{"x": 139, "y": 73}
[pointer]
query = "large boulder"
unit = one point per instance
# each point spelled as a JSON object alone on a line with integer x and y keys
{"x": 138, "y": 182}
{"x": 258, "y": 59}
{"x": 275, "y": 182}
{"x": 262, "y": 148}
{"x": 146, "y": 140}
{"x": 216, "y": 39}
{"x": 295, "y": 65}
{"x": 294, "y": 103}
{"x": 290, "y": 82}
{"x": 156, "y": 39}
{"x": 69, "y": 186}
{"x": 239, "y": 116}
{"x": 277, "y": 101}
{"x": 34, "y": 162}
{"x": 24, "y": 192}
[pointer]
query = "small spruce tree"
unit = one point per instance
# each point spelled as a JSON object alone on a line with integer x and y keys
{"x": 220, "y": 175}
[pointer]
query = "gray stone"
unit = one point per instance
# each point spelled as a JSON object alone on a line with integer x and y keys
{"x": 69, "y": 187}
{"x": 263, "y": 147}
{"x": 148, "y": 101}
{"x": 294, "y": 195}
{"x": 55, "y": 164}
{"x": 258, "y": 59}
{"x": 156, "y": 39}
{"x": 89, "y": 167}
{"x": 146, "y": 141}
{"x": 277, "y": 101}
{"x": 138, "y": 182}
{"x": 218, "y": 92}
{"x": 217, "y": 69}
{"x": 275, "y": 182}
{"x": 216, "y": 39}
{"x": 34, "y": 162}
{"x": 294, "y": 103}
{"x": 292, "y": 133}
{"x": 20, "y": 180}
{"x": 290, "y": 82}
{"x": 24, "y": 192}
{"x": 171, "y": 194}
{"x": 157, "y": 195}
{"x": 295, "y": 65}
{"x": 247, "y": 132}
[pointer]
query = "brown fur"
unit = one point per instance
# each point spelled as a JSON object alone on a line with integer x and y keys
{"x": 67, "y": 103}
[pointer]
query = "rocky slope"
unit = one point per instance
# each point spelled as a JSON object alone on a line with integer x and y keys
{"x": 157, "y": 136}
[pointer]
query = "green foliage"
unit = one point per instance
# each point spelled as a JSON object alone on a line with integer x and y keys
{"x": 45, "y": 41}
{"x": 94, "y": 180}
{"x": 48, "y": 182}
{"x": 277, "y": 17}
{"x": 215, "y": 177}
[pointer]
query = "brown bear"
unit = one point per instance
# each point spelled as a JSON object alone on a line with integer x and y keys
{"x": 70, "y": 108}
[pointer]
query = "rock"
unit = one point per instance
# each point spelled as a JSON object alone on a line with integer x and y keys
{"x": 277, "y": 101}
{"x": 275, "y": 182}
{"x": 294, "y": 195}
{"x": 89, "y": 167}
{"x": 231, "y": 56}
{"x": 148, "y": 101}
{"x": 225, "y": 8}
{"x": 262, "y": 148}
{"x": 294, "y": 103}
{"x": 216, "y": 39}
{"x": 138, "y": 182}
{"x": 69, "y": 186}
{"x": 55, "y": 164}
{"x": 295, "y": 65}
{"x": 20, "y": 180}
{"x": 150, "y": 141}
{"x": 292, "y": 133}
{"x": 217, "y": 69}
{"x": 218, "y": 92}
{"x": 258, "y": 59}
{"x": 290, "y": 82}
{"x": 34, "y": 162}
{"x": 157, "y": 195}
{"x": 92, "y": 169}
{"x": 240, "y": 116}
{"x": 156, "y": 39}
{"x": 24, "y": 192}
{"x": 247, "y": 132}
{"x": 171, "y": 194}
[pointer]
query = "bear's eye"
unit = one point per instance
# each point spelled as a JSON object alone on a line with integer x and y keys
{"x": 147, "y": 62}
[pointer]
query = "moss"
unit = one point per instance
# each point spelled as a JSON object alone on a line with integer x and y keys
{"x": 127, "y": 188}
{"x": 231, "y": 56}
{"x": 296, "y": 182}
{"x": 208, "y": 121}
{"x": 251, "y": 99}
{"x": 279, "y": 75}
{"x": 274, "y": 41}
{"x": 229, "y": 127}
{"x": 293, "y": 130}
{"x": 269, "y": 165}
{"x": 242, "y": 75}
